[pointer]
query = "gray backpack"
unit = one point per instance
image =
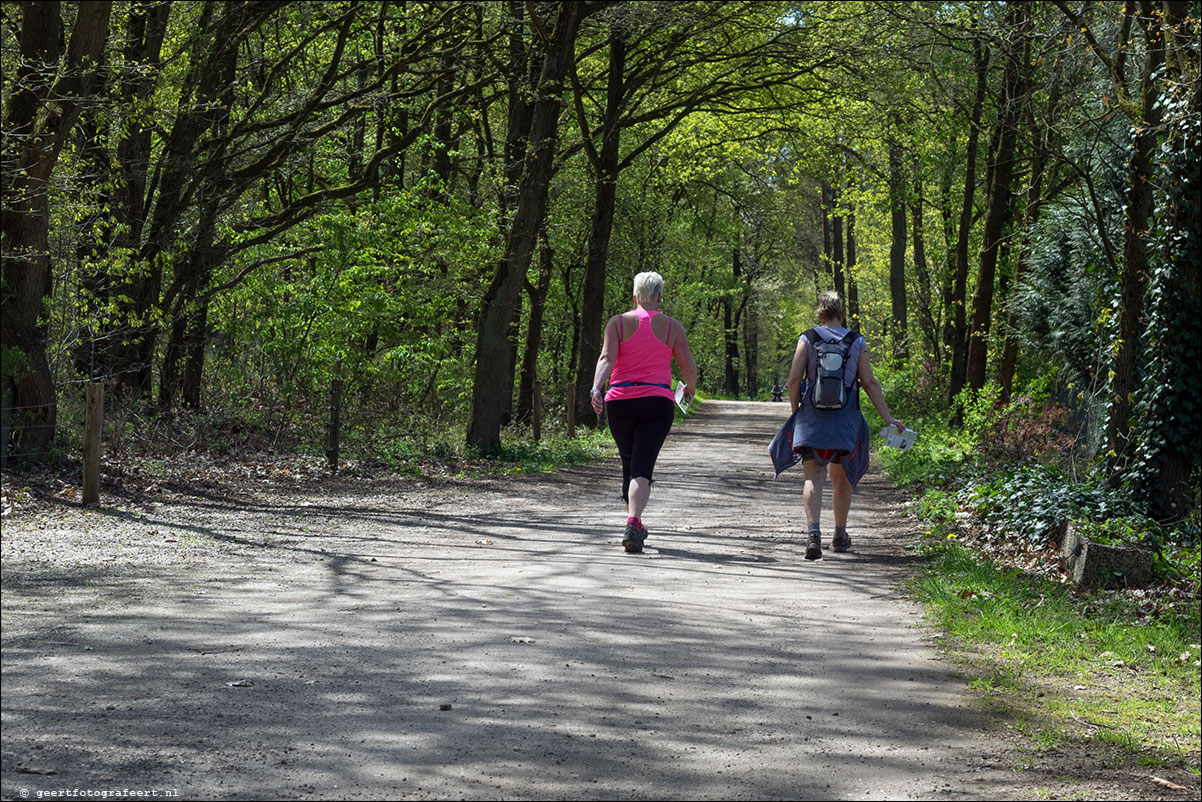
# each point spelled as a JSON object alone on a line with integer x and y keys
{"x": 830, "y": 359}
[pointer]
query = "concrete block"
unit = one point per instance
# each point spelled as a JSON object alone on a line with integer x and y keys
{"x": 1095, "y": 565}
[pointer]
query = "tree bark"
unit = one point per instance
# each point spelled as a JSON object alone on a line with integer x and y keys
{"x": 494, "y": 372}
{"x": 853, "y": 289}
{"x": 928, "y": 319}
{"x": 1178, "y": 415}
{"x": 959, "y": 344}
{"x": 605, "y": 191}
{"x": 837, "y": 246}
{"x": 1133, "y": 279}
{"x": 751, "y": 350}
{"x": 948, "y": 217}
{"x": 730, "y": 334}
{"x": 899, "y": 323}
{"x": 41, "y": 114}
{"x": 998, "y": 210}
{"x": 537, "y": 294}
{"x": 131, "y": 364}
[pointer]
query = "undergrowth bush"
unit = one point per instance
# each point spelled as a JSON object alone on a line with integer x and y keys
{"x": 1009, "y": 466}
{"x": 1034, "y": 500}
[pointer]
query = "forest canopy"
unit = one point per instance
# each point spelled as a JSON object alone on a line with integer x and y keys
{"x": 228, "y": 208}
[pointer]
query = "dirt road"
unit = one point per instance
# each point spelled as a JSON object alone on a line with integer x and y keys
{"x": 485, "y": 640}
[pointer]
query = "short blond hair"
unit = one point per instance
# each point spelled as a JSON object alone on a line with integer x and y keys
{"x": 647, "y": 286}
{"x": 831, "y": 307}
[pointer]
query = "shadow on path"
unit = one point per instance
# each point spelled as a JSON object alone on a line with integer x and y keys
{"x": 495, "y": 645}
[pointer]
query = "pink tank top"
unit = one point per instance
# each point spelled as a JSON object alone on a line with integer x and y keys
{"x": 643, "y": 366}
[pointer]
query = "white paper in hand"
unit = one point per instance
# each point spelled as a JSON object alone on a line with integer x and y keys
{"x": 901, "y": 441}
{"x": 683, "y": 401}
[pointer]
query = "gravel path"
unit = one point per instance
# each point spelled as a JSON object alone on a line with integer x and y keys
{"x": 482, "y": 640}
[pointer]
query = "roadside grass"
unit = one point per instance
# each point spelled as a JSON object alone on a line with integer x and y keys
{"x": 545, "y": 455}
{"x": 1064, "y": 666}
{"x": 1111, "y": 675}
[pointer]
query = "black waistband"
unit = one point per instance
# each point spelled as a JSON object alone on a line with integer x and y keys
{"x": 641, "y": 384}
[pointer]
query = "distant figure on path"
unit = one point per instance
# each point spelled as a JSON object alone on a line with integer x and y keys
{"x": 832, "y": 430}
{"x": 636, "y": 358}
{"x": 777, "y": 392}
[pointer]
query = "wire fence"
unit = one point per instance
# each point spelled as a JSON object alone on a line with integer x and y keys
{"x": 16, "y": 420}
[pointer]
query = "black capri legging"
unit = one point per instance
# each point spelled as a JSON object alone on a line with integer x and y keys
{"x": 639, "y": 427}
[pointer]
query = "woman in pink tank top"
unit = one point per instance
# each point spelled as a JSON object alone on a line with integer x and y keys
{"x": 636, "y": 358}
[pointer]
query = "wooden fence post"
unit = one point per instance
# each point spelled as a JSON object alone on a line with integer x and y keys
{"x": 536, "y": 402}
{"x": 92, "y": 430}
{"x": 334, "y": 431}
{"x": 571, "y": 410}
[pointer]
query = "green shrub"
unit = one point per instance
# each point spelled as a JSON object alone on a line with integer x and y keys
{"x": 1034, "y": 500}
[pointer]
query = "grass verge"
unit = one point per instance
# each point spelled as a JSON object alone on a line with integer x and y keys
{"x": 1068, "y": 666}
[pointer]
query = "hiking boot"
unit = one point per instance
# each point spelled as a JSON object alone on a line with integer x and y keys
{"x": 841, "y": 542}
{"x": 632, "y": 539}
{"x": 814, "y": 547}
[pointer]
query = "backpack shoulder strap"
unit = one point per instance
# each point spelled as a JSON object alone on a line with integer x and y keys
{"x": 850, "y": 338}
{"x": 811, "y": 335}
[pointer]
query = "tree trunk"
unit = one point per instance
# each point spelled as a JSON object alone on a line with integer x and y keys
{"x": 899, "y": 323}
{"x": 927, "y": 318}
{"x": 948, "y": 219}
{"x": 522, "y": 75}
{"x": 188, "y": 316}
{"x": 1039, "y": 159}
{"x": 730, "y": 334}
{"x": 131, "y": 364}
{"x": 184, "y": 186}
{"x": 998, "y": 210}
{"x": 1134, "y": 276}
{"x": 828, "y": 195}
{"x": 1180, "y": 324}
{"x": 605, "y": 192}
{"x": 94, "y": 236}
{"x": 195, "y": 341}
{"x": 184, "y": 302}
{"x": 41, "y": 114}
{"x": 959, "y": 344}
{"x": 751, "y": 351}
{"x": 837, "y": 246}
{"x": 494, "y": 369}
{"x": 853, "y": 289}
{"x": 440, "y": 157}
{"x": 534, "y": 331}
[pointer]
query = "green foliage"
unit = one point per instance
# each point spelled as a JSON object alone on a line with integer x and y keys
{"x": 550, "y": 454}
{"x": 386, "y": 304}
{"x": 1007, "y": 466}
{"x": 1061, "y": 300}
{"x": 380, "y": 286}
{"x": 1167, "y": 417}
{"x": 1029, "y": 430}
{"x": 938, "y": 507}
{"x": 14, "y": 364}
{"x": 1033, "y": 501}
